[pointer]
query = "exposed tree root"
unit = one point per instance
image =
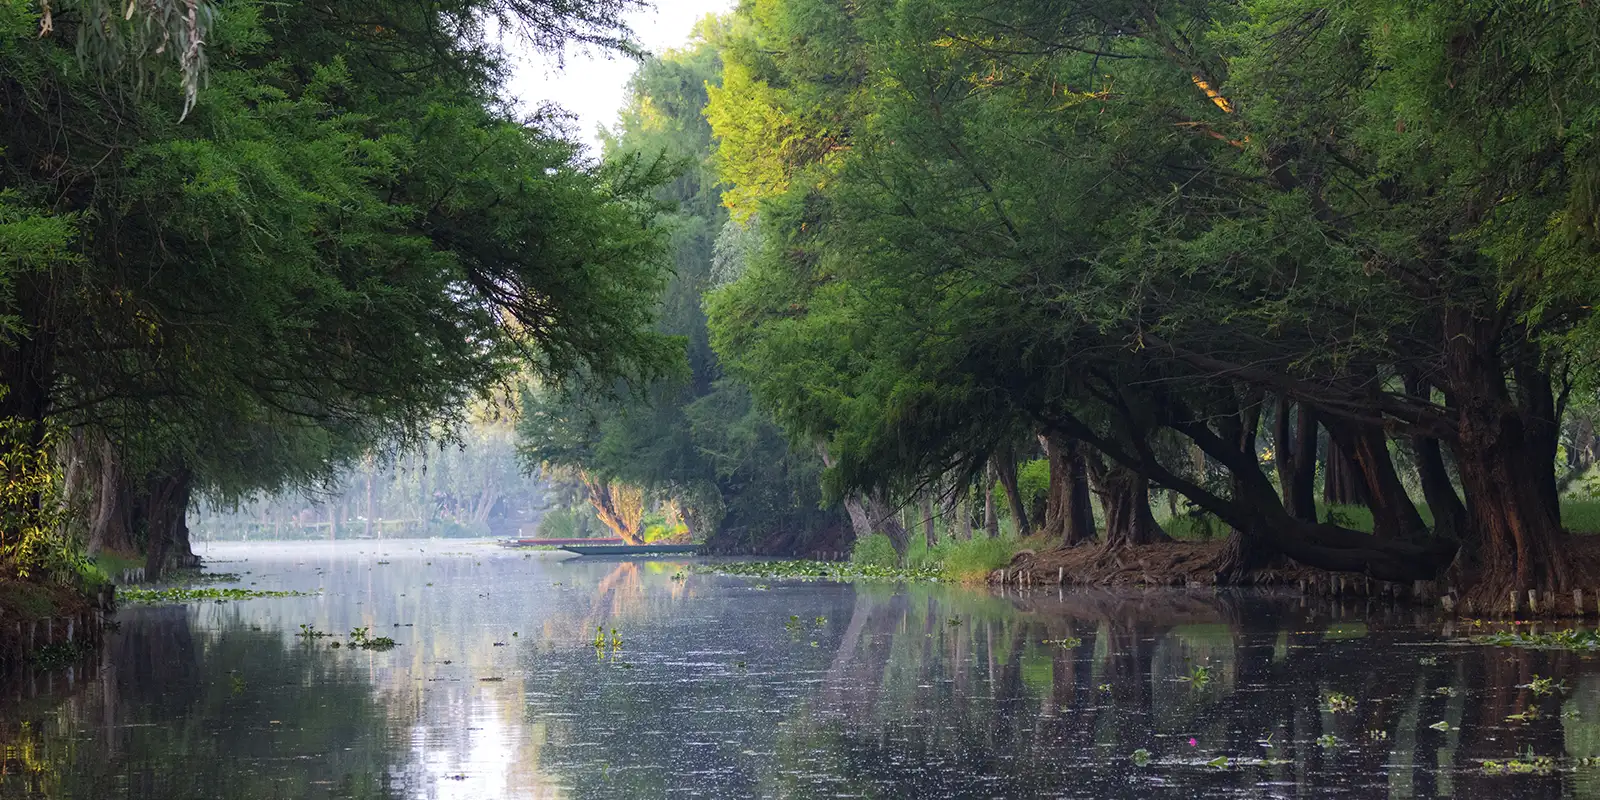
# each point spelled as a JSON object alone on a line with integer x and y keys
{"x": 1195, "y": 564}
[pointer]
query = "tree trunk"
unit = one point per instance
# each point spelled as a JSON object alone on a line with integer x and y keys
{"x": 1125, "y": 496}
{"x": 1080, "y": 505}
{"x": 1340, "y": 486}
{"x": 885, "y": 521}
{"x": 1255, "y": 511}
{"x": 1068, "y": 513}
{"x": 991, "y": 518}
{"x": 1295, "y": 456}
{"x": 1449, "y": 514}
{"x": 1543, "y": 423}
{"x": 1505, "y": 469}
{"x": 1005, "y": 465}
{"x": 929, "y": 536}
{"x": 963, "y": 515}
{"x": 166, "y": 503}
{"x": 614, "y": 514}
{"x": 111, "y": 528}
{"x": 1393, "y": 513}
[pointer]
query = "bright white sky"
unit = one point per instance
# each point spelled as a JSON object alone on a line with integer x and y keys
{"x": 591, "y": 84}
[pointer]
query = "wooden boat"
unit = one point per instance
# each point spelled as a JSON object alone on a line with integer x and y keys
{"x": 631, "y": 549}
{"x": 558, "y": 542}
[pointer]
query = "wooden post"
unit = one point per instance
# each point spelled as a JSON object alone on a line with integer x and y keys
{"x": 1577, "y": 602}
{"x": 1533, "y": 601}
{"x": 1516, "y": 605}
{"x": 1061, "y": 575}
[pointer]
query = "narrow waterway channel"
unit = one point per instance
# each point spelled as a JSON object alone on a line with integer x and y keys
{"x": 714, "y": 686}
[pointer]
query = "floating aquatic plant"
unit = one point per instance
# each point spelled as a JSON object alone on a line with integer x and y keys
{"x": 180, "y": 594}
{"x": 1338, "y": 703}
{"x": 819, "y": 570}
{"x": 1140, "y": 757}
{"x": 1543, "y": 687}
{"x": 1199, "y": 676}
{"x": 1561, "y": 640}
{"x": 1528, "y": 715}
{"x": 1526, "y": 765}
{"x": 363, "y": 638}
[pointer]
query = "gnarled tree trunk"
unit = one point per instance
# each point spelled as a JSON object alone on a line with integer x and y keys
{"x": 1506, "y": 467}
{"x": 166, "y": 500}
{"x": 619, "y": 508}
{"x": 1068, "y": 513}
{"x": 1125, "y": 496}
{"x": 1393, "y": 513}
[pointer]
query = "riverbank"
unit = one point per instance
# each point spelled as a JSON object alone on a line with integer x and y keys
{"x": 41, "y": 621}
{"x": 1194, "y": 564}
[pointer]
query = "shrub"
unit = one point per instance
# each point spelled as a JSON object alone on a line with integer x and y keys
{"x": 874, "y": 550}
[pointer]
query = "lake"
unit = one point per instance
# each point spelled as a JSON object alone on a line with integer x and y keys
{"x": 724, "y": 687}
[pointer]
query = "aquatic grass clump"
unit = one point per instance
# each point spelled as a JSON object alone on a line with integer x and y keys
{"x": 183, "y": 594}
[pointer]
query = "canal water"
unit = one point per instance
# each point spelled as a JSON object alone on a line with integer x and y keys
{"x": 724, "y": 687}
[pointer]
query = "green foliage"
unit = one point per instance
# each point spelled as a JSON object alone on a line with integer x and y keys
{"x": 697, "y": 439}
{"x": 969, "y": 561}
{"x": 336, "y": 248}
{"x": 1131, "y": 236}
{"x": 956, "y": 561}
{"x": 570, "y": 523}
{"x": 1033, "y": 482}
{"x": 874, "y": 551}
{"x": 34, "y": 541}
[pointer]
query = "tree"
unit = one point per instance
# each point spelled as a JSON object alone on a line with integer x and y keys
{"x": 695, "y": 440}
{"x": 346, "y": 239}
{"x": 1129, "y": 222}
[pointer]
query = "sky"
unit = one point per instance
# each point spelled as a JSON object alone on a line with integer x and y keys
{"x": 591, "y": 85}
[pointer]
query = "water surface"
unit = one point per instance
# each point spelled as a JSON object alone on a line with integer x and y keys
{"x": 731, "y": 687}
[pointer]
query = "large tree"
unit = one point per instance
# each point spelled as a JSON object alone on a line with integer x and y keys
{"x": 1130, "y": 222}
{"x": 350, "y": 233}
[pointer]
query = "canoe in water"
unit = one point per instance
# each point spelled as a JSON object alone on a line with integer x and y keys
{"x": 631, "y": 549}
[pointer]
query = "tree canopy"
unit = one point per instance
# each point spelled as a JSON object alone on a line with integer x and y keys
{"x": 344, "y": 238}
{"x": 1152, "y": 228}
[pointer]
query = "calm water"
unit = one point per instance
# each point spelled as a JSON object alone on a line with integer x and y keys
{"x": 727, "y": 687}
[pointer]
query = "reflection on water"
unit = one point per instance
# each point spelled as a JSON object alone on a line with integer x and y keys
{"x": 725, "y": 687}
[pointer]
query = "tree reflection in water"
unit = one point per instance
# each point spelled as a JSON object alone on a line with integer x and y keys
{"x": 731, "y": 688}
{"x": 169, "y": 711}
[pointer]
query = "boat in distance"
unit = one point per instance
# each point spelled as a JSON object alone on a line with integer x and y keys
{"x": 631, "y": 549}
{"x": 604, "y": 547}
